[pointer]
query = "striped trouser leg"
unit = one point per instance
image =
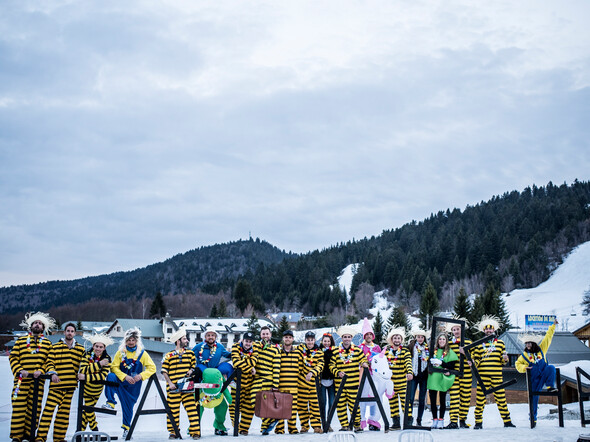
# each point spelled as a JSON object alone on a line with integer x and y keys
{"x": 465, "y": 401}
{"x": 259, "y": 385}
{"x": 89, "y": 417}
{"x": 173, "y": 400}
{"x": 480, "y": 400}
{"x": 232, "y": 407}
{"x": 303, "y": 406}
{"x": 350, "y": 401}
{"x": 22, "y": 404}
{"x": 190, "y": 405}
{"x": 308, "y": 407}
{"x": 398, "y": 399}
{"x": 342, "y": 408}
{"x": 62, "y": 417}
{"x": 291, "y": 423}
{"x": 345, "y": 406}
{"x": 500, "y": 398}
{"x": 246, "y": 405}
{"x": 455, "y": 393}
{"x": 54, "y": 399}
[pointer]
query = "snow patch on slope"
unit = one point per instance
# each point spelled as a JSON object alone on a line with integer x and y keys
{"x": 560, "y": 295}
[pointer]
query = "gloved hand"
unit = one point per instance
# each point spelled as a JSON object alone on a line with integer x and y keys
{"x": 436, "y": 362}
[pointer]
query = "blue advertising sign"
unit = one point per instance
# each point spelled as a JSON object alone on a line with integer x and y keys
{"x": 538, "y": 322}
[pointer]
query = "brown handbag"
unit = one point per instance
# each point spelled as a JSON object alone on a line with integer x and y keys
{"x": 273, "y": 405}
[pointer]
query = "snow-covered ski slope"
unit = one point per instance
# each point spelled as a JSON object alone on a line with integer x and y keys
{"x": 560, "y": 295}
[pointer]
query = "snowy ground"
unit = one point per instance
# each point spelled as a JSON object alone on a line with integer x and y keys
{"x": 153, "y": 427}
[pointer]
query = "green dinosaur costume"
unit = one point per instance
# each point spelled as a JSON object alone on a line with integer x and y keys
{"x": 213, "y": 398}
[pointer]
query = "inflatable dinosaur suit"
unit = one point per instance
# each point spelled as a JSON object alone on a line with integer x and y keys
{"x": 213, "y": 398}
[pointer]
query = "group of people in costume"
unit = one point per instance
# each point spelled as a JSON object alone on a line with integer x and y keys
{"x": 264, "y": 366}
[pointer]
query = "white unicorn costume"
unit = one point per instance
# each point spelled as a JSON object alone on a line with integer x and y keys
{"x": 381, "y": 375}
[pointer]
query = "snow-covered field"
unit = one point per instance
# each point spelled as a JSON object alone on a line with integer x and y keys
{"x": 153, "y": 427}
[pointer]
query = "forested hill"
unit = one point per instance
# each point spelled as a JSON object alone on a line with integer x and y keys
{"x": 511, "y": 241}
{"x": 183, "y": 273}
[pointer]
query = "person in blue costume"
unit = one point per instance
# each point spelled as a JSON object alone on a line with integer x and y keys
{"x": 534, "y": 355}
{"x": 212, "y": 354}
{"x": 130, "y": 367}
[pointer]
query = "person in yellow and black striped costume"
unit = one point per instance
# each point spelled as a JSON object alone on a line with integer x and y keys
{"x": 460, "y": 392}
{"x": 311, "y": 364}
{"x": 242, "y": 357}
{"x": 348, "y": 359}
{"x": 28, "y": 355}
{"x": 95, "y": 366}
{"x": 63, "y": 364}
{"x": 489, "y": 358}
{"x": 178, "y": 364}
{"x": 266, "y": 371}
{"x": 289, "y": 375}
{"x": 400, "y": 363}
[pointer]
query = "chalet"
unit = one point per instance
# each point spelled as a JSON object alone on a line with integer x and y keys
{"x": 293, "y": 318}
{"x": 151, "y": 330}
{"x": 230, "y": 330}
{"x": 583, "y": 334}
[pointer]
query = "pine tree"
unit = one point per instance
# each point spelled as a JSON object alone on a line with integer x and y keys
{"x": 490, "y": 303}
{"x": 477, "y": 312}
{"x": 462, "y": 307}
{"x": 398, "y": 318}
{"x": 277, "y": 333}
{"x": 158, "y": 308}
{"x": 222, "y": 310}
{"x": 586, "y": 302}
{"x": 243, "y": 294}
{"x": 253, "y": 326}
{"x": 500, "y": 311}
{"x": 378, "y": 328}
{"x": 214, "y": 313}
{"x": 428, "y": 305}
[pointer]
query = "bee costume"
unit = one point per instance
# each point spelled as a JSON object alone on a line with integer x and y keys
{"x": 488, "y": 358}
{"x": 28, "y": 354}
{"x": 94, "y": 371}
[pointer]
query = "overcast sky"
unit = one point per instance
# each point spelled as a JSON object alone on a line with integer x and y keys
{"x": 131, "y": 131}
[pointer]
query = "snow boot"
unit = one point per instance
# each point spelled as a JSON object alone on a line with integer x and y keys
{"x": 478, "y": 426}
{"x": 509, "y": 425}
{"x": 396, "y": 425}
